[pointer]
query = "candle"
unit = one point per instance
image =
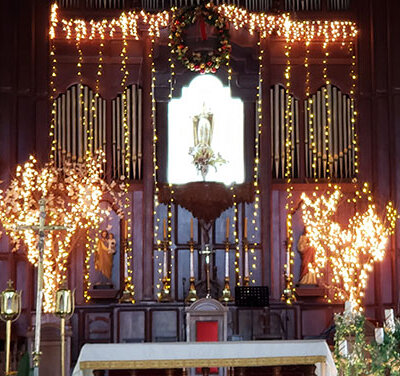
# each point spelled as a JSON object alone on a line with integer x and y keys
{"x": 343, "y": 351}
{"x": 246, "y": 262}
{"x": 227, "y": 262}
{"x": 165, "y": 266}
{"x": 288, "y": 262}
{"x": 227, "y": 229}
{"x": 191, "y": 262}
{"x": 191, "y": 228}
{"x": 245, "y": 227}
{"x": 164, "y": 229}
{"x": 348, "y": 307}
{"x": 379, "y": 335}
{"x": 389, "y": 319}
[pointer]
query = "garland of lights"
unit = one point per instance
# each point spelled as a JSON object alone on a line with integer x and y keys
{"x": 202, "y": 62}
{"x": 128, "y": 23}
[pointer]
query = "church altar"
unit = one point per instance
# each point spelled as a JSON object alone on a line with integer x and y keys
{"x": 205, "y": 354}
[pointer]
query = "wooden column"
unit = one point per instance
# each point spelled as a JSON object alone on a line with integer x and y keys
{"x": 265, "y": 172}
{"x": 148, "y": 189}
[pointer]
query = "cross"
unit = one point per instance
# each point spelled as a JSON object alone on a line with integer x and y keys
{"x": 207, "y": 251}
{"x": 41, "y": 230}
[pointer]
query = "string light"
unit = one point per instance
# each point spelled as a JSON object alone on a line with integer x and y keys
{"x": 72, "y": 197}
{"x": 53, "y": 75}
{"x": 256, "y": 175}
{"x": 349, "y": 252}
{"x": 327, "y": 157}
{"x": 156, "y": 203}
{"x": 353, "y": 115}
{"x": 310, "y": 116}
{"x": 288, "y": 293}
{"x": 236, "y": 235}
{"x": 266, "y": 25}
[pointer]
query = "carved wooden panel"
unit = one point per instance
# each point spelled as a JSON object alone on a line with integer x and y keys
{"x": 98, "y": 327}
{"x": 165, "y": 326}
{"x": 131, "y": 326}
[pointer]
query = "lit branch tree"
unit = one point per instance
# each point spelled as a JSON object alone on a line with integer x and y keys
{"x": 72, "y": 195}
{"x": 348, "y": 252}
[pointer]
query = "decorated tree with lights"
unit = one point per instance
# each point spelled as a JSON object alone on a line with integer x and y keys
{"x": 72, "y": 195}
{"x": 347, "y": 252}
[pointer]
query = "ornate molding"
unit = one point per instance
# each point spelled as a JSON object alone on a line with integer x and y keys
{"x": 206, "y": 200}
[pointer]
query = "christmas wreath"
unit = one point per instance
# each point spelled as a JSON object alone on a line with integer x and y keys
{"x": 203, "y": 62}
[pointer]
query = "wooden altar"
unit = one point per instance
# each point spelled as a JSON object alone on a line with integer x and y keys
{"x": 206, "y": 354}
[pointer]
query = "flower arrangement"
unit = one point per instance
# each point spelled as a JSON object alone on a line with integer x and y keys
{"x": 363, "y": 358}
{"x": 204, "y": 157}
{"x": 202, "y": 62}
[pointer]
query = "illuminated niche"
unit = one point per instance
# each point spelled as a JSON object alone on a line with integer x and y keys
{"x": 206, "y": 113}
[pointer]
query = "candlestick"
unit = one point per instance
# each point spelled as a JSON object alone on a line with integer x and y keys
{"x": 226, "y": 292}
{"x": 191, "y": 228}
{"x": 227, "y": 229}
{"x": 245, "y": 227}
{"x": 192, "y": 294}
{"x": 164, "y": 229}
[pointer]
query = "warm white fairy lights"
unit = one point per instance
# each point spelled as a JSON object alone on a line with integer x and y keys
{"x": 72, "y": 199}
{"x": 267, "y": 25}
{"x": 348, "y": 252}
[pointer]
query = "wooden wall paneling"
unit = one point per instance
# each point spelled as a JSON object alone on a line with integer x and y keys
{"x": 137, "y": 226}
{"x": 77, "y": 274}
{"x": 381, "y": 131}
{"x": 277, "y": 237}
{"x": 76, "y": 337}
{"x": 40, "y": 76}
{"x": 165, "y": 325}
{"x": 313, "y": 320}
{"x": 182, "y": 227}
{"x": 393, "y": 10}
{"x": 147, "y": 174}
{"x": 8, "y": 85}
{"x": 23, "y": 282}
{"x": 25, "y": 89}
{"x": 98, "y": 326}
{"x": 162, "y": 144}
{"x": 131, "y": 326}
{"x": 182, "y": 270}
{"x": 393, "y": 77}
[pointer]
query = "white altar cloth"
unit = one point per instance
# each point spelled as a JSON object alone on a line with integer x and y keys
{"x": 204, "y": 354}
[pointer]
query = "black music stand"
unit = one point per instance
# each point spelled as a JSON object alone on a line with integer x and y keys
{"x": 252, "y": 296}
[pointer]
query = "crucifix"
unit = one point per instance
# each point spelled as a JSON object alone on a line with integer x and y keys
{"x": 41, "y": 229}
{"x": 207, "y": 251}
